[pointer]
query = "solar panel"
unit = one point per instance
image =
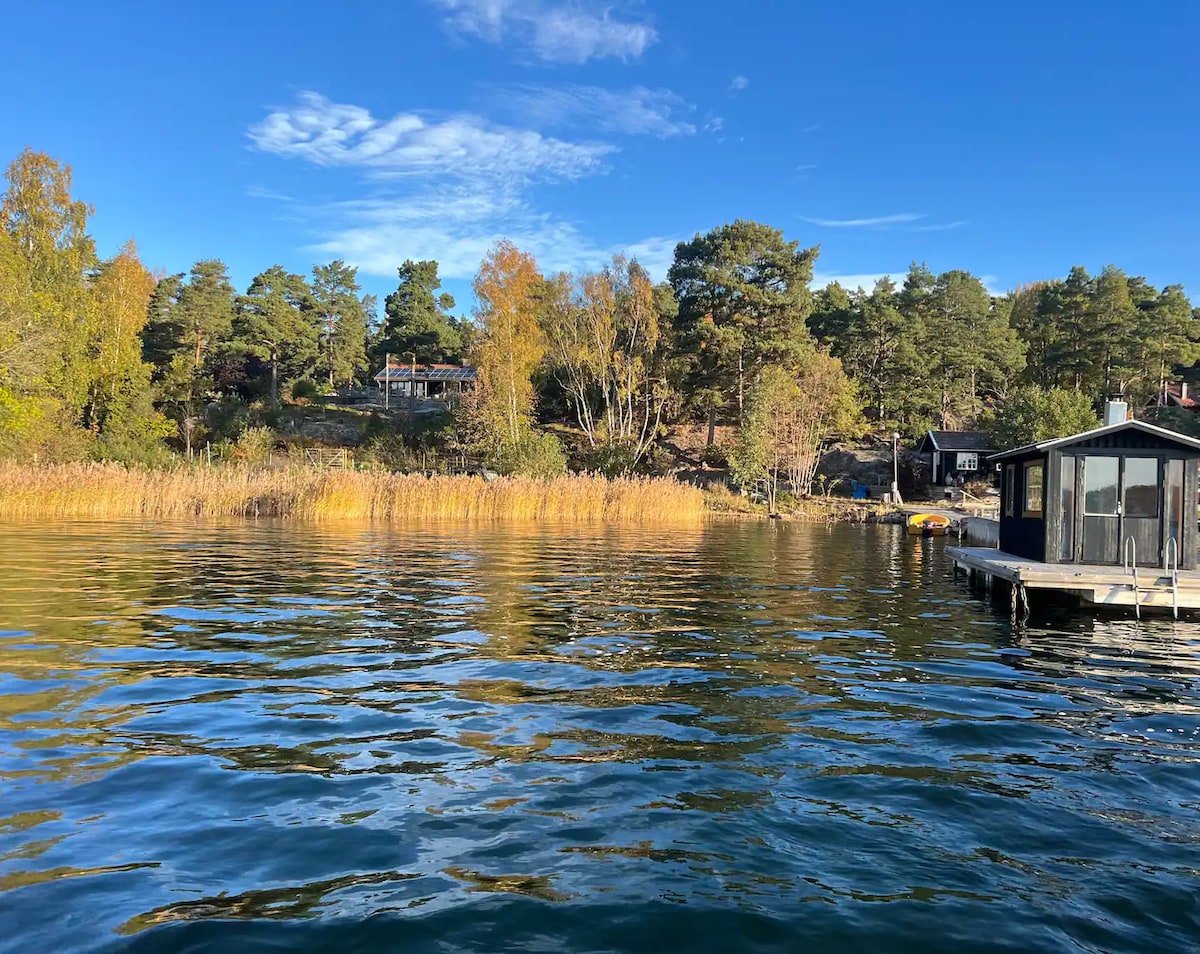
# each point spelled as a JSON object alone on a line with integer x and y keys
{"x": 428, "y": 374}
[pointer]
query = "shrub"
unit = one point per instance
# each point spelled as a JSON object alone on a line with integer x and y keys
{"x": 537, "y": 454}
{"x": 254, "y": 445}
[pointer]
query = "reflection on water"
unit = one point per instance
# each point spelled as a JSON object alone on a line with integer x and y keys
{"x": 562, "y": 739}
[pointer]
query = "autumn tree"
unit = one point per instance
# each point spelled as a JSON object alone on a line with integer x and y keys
{"x": 510, "y": 345}
{"x": 605, "y": 344}
{"x": 789, "y": 418}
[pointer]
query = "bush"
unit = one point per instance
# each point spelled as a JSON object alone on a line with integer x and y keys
{"x": 537, "y": 454}
{"x": 715, "y": 455}
{"x": 305, "y": 391}
{"x": 254, "y": 445}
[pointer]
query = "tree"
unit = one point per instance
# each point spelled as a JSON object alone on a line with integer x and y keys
{"x": 605, "y": 343}
{"x": 743, "y": 304}
{"x": 205, "y": 307}
{"x": 45, "y": 257}
{"x": 274, "y": 324}
{"x": 342, "y": 316}
{"x": 1031, "y": 413}
{"x": 1111, "y": 331}
{"x": 120, "y": 295}
{"x": 417, "y": 319}
{"x": 510, "y": 345}
{"x": 789, "y": 418}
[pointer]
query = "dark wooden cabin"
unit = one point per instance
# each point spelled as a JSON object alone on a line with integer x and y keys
{"x": 1080, "y": 499}
{"x": 955, "y": 454}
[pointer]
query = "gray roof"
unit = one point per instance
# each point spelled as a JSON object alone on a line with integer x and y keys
{"x": 437, "y": 372}
{"x": 1153, "y": 430}
{"x": 956, "y": 441}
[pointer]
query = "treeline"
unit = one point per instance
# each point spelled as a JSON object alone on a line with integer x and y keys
{"x": 100, "y": 358}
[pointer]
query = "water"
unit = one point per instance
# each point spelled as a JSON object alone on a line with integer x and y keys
{"x": 743, "y": 738}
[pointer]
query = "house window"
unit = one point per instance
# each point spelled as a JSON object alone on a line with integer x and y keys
{"x": 1010, "y": 492}
{"x": 968, "y": 462}
{"x": 1033, "y": 489}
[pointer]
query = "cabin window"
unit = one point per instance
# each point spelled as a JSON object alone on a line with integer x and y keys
{"x": 1066, "y": 491}
{"x": 1033, "y": 489}
{"x": 1010, "y": 489}
{"x": 1174, "y": 488}
{"x": 1100, "y": 475}
{"x": 968, "y": 462}
{"x": 1141, "y": 486}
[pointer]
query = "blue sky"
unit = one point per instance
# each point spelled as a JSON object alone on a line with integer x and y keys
{"x": 1013, "y": 140}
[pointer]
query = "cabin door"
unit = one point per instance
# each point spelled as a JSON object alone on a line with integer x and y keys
{"x": 1121, "y": 502}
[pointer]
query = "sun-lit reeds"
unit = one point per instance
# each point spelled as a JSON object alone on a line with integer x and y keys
{"x": 110, "y": 490}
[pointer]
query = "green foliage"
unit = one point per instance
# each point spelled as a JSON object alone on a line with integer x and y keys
{"x": 743, "y": 301}
{"x": 534, "y": 454}
{"x": 255, "y": 445}
{"x": 1031, "y": 413}
{"x": 275, "y": 323}
{"x": 342, "y": 317}
{"x": 417, "y": 319}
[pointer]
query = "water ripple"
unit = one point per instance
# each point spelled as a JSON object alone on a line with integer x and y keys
{"x": 739, "y": 737}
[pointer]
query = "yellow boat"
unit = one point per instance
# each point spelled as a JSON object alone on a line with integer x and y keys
{"x": 928, "y": 525}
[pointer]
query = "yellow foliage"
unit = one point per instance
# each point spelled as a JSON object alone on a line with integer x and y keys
{"x": 98, "y": 491}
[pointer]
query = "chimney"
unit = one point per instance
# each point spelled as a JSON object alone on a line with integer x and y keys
{"x": 1115, "y": 412}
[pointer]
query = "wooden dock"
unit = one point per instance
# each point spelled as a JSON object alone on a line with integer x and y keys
{"x": 1138, "y": 588}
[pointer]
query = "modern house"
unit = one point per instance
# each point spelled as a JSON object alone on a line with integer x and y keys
{"x": 1123, "y": 492}
{"x": 955, "y": 454}
{"x": 436, "y": 381}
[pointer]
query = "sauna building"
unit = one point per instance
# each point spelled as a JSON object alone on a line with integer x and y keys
{"x": 1125, "y": 490}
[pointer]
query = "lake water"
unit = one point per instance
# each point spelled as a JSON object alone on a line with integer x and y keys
{"x": 748, "y": 737}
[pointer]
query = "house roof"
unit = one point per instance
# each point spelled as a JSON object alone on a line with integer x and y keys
{"x": 427, "y": 372}
{"x": 955, "y": 441}
{"x": 1152, "y": 430}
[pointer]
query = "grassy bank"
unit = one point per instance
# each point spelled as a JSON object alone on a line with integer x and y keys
{"x": 109, "y": 490}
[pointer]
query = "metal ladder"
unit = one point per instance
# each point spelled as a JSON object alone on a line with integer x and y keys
{"x": 1171, "y": 569}
{"x": 1129, "y": 559}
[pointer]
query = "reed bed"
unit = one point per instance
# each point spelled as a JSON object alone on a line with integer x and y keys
{"x": 99, "y": 491}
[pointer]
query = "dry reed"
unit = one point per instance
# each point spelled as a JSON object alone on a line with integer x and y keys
{"x": 110, "y": 490}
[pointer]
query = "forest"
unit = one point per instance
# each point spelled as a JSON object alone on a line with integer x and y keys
{"x": 105, "y": 359}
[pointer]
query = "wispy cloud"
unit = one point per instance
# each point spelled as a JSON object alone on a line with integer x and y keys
{"x": 442, "y": 189}
{"x": 853, "y": 281}
{"x": 714, "y": 124}
{"x": 261, "y": 192}
{"x": 811, "y": 129}
{"x": 806, "y": 167}
{"x": 875, "y": 221}
{"x": 738, "y": 83}
{"x": 562, "y": 32}
{"x": 336, "y": 134}
{"x": 633, "y": 111}
{"x": 943, "y": 227}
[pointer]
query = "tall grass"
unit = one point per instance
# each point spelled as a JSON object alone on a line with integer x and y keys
{"x": 110, "y": 490}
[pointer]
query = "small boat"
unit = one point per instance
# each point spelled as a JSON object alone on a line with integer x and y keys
{"x": 928, "y": 525}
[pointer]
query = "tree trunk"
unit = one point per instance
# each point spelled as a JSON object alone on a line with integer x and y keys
{"x": 712, "y": 426}
{"x": 274, "y": 382}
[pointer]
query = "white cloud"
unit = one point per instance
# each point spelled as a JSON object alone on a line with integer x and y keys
{"x": 873, "y": 221}
{"x": 738, "y": 83}
{"x": 943, "y": 227}
{"x": 380, "y": 235}
{"x": 262, "y": 192}
{"x": 563, "y": 32}
{"x": 634, "y": 111}
{"x": 335, "y": 134}
{"x": 445, "y": 190}
{"x": 714, "y": 124}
